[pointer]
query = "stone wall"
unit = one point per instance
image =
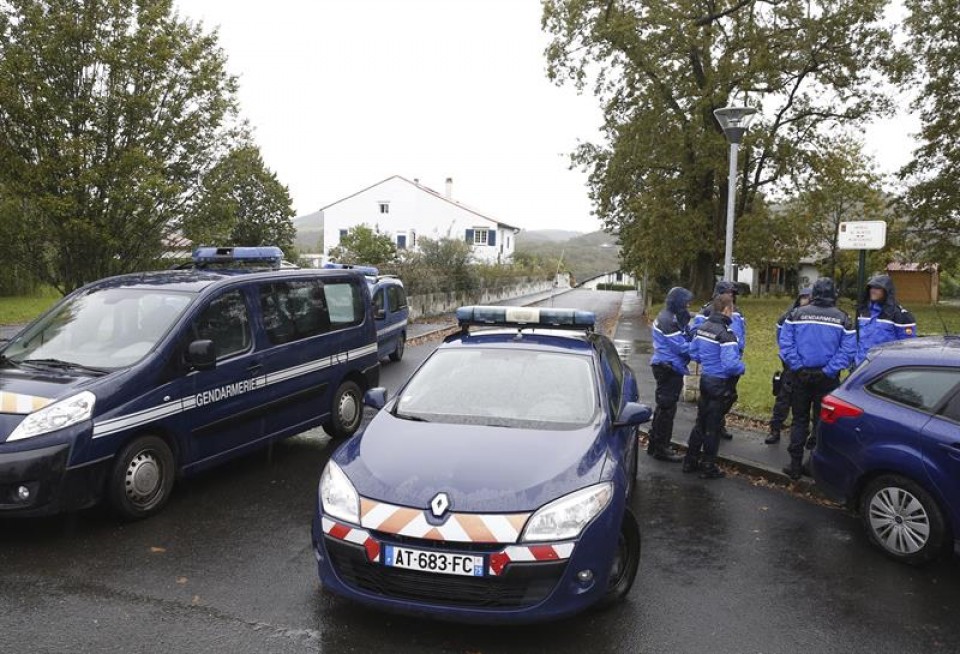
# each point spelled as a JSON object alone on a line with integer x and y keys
{"x": 433, "y": 304}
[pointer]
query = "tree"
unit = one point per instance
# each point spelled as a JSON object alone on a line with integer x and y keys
{"x": 362, "y": 245}
{"x": 241, "y": 202}
{"x": 110, "y": 113}
{"x": 843, "y": 186}
{"x": 663, "y": 66}
{"x": 933, "y": 200}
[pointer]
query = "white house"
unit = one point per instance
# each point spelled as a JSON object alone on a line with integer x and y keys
{"x": 408, "y": 211}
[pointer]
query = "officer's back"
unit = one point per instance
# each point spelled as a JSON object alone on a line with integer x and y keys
{"x": 715, "y": 346}
{"x": 819, "y": 335}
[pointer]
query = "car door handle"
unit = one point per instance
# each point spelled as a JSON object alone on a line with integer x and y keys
{"x": 255, "y": 369}
{"x": 952, "y": 448}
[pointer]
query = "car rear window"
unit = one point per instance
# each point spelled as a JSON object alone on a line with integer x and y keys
{"x": 920, "y": 388}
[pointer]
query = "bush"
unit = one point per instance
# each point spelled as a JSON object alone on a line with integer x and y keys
{"x": 615, "y": 287}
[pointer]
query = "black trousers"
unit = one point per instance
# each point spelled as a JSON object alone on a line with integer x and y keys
{"x": 669, "y": 387}
{"x": 715, "y": 401}
{"x": 781, "y": 407}
{"x": 809, "y": 388}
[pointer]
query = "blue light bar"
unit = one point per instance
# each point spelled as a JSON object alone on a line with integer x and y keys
{"x": 369, "y": 271}
{"x": 271, "y": 255}
{"x": 527, "y": 317}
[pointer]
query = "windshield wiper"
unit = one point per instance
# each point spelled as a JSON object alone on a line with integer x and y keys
{"x": 64, "y": 365}
{"x": 407, "y": 416}
{"x": 7, "y": 361}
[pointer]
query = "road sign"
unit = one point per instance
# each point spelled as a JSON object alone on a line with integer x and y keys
{"x": 862, "y": 235}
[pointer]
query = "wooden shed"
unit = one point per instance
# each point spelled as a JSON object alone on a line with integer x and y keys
{"x": 916, "y": 283}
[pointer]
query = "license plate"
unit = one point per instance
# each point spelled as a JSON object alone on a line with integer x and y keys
{"x": 444, "y": 563}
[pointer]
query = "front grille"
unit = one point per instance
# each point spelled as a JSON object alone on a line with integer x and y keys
{"x": 521, "y": 584}
{"x": 444, "y": 545}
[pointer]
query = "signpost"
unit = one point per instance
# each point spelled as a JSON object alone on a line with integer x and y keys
{"x": 862, "y": 235}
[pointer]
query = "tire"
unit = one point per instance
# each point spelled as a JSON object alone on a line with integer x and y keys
{"x": 397, "y": 354}
{"x": 903, "y": 520}
{"x": 346, "y": 412}
{"x": 626, "y": 561}
{"x": 142, "y": 478}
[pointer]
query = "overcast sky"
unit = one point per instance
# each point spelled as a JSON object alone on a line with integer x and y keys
{"x": 344, "y": 93}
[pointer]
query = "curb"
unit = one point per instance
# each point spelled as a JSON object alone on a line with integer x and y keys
{"x": 756, "y": 469}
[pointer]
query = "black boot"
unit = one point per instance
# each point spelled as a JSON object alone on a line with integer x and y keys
{"x": 774, "y": 436}
{"x": 690, "y": 464}
{"x": 667, "y": 454}
{"x": 725, "y": 435}
{"x": 795, "y": 469}
{"x": 710, "y": 470}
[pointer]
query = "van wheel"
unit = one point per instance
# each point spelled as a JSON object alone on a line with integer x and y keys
{"x": 346, "y": 412}
{"x": 397, "y": 354}
{"x": 626, "y": 561}
{"x": 903, "y": 520}
{"x": 142, "y": 478}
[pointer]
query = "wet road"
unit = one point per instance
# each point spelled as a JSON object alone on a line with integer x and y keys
{"x": 726, "y": 567}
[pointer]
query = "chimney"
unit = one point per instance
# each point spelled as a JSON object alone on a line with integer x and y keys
{"x": 449, "y": 193}
{"x": 416, "y": 180}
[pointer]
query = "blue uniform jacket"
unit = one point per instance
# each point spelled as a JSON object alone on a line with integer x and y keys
{"x": 818, "y": 336}
{"x": 671, "y": 339}
{"x": 738, "y": 324}
{"x": 717, "y": 349}
{"x": 880, "y": 323}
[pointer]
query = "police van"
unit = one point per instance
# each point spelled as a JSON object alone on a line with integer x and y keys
{"x": 390, "y": 309}
{"x": 132, "y": 381}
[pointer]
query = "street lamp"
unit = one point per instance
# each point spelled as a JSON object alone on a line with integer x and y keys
{"x": 734, "y": 121}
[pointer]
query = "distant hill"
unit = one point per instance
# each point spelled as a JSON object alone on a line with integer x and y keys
{"x": 545, "y": 236}
{"x": 309, "y": 232}
{"x": 584, "y": 255}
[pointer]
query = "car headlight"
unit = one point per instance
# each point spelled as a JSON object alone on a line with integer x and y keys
{"x": 338, "y": 497}
{"x": 58, "y": 415}
{"x": 566, "y": 517}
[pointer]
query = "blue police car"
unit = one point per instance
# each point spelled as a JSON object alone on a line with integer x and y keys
{"x": 496, "y": 485}
{"x": 132, "y": 381}
{"x": 390, "y": 309}
{"x": 889, "y": 446}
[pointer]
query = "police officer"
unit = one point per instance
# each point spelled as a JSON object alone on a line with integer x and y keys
{"x": 817, "y": 341}
{"x": 717, "y": 349}
{"x": 671, "y": 352}
{"x": 879, "y": 318}
{"x": 781, "y": 408}
{"x": 739, "y": 327}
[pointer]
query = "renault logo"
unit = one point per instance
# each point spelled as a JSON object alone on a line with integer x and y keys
{"x": 439, "y": 504}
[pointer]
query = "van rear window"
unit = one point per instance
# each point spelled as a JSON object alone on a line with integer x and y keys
{"x": 298, "y": 309}
{"x": 344, "y": 304}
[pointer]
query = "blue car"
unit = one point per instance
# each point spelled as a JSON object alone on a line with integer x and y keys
{"x": 889, "y": 446}
{"x": 496, "y": 485}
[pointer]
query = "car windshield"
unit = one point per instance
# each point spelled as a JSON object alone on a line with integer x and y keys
{"x": 104, "y": 329}
{"x": 500, "y": 387}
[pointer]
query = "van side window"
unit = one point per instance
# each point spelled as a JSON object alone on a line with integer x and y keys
{"x": 344, "y": 304}
{"x": 396, "y": 298}
{"x": 293, "y": 310}
{"x": 378, "y": 300}
{"x": 226, "y": 322}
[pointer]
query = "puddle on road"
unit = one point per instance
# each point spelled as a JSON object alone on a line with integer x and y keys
{"x": 625, "y": 348}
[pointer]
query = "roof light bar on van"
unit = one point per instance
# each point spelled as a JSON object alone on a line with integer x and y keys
{"x": 369, "y": 271}
{"x": 526, "y": 317}
{"x": 270, "y": 255}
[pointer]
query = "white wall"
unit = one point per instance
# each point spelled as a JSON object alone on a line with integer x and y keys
{"x": 415, "y": 213}
{"x": 610, "y": 278}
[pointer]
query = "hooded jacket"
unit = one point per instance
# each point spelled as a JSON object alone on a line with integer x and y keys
{"x": 804, "y": 292}
{"x": 737, "y": 322}
{"x": 819, "y": 336}
{"x": 715, "y": 346}
{"x": 671, "y": 339}
{"x": 881, "y": 322}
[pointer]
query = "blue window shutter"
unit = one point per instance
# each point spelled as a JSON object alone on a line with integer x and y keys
{"x": 492, "y": 237}
{"x": 470, "y": 236}
{"x": 343, "y": 233}
{"x": 402, "y": 241}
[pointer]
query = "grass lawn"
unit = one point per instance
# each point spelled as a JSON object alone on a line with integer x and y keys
{"x": 761, "y": 356}
{"x": 15, "y": 310}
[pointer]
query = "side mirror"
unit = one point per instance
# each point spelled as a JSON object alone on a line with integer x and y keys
{"x": 379, "y": 314}
{"x": 634, "y": 414}
{"x": 375, "y": 398}
{"x": 202, "y": 355}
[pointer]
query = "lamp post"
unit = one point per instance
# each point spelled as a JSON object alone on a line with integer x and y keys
{"x": 734, "y": 121}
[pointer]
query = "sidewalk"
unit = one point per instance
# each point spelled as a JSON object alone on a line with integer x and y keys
{"x": 439, "y": 326}
{"x": 746, "y": 452}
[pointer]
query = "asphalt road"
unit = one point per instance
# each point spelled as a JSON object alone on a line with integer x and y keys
{"x": 726, "y": 567}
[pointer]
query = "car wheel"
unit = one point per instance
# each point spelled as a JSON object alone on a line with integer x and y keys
{"x": 397, "y": 354}
{"x": 142, "y": 478}
{"x": 346, "y": 412}
{"x": 626, "y": 561}
{"x": 903, "y": 519}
